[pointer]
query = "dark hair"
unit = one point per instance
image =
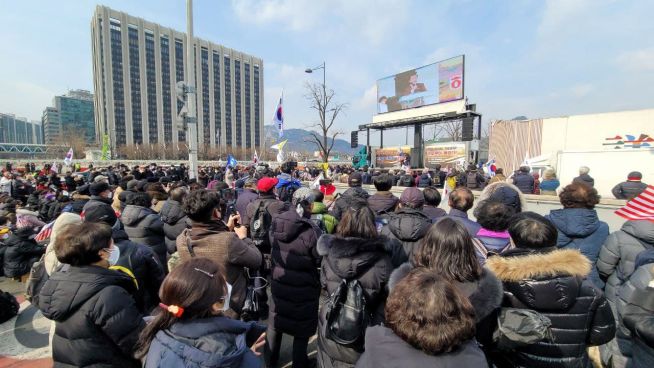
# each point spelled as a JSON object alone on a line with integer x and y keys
{"x": 358, "y": 221}
{"x": 448, "y": 249}
{"x": 199, "y": 204}
{"x": 461, "y": 199}
{"x": 178, "y": 194}
{"x": 579, "y": 195}
{"x": 194, "y": 285}
{"x": 430, "y": 313}
{"x": 3, "y": 219}
{"x": 531, "y": 230}
{"x": 78, "y": 244}
{"x": 383, "y": 182}
{"x": 139, "y": 199}
{"x": 432, "y": 196}
{"x": 494, "y": 215}
{"x": 318, "y": 196}
{"x": 499, "y": 171}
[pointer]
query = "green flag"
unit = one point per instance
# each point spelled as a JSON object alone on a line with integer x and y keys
{"x": 105, "y": 147}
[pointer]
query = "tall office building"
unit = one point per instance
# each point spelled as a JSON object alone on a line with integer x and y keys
{"x": 72, "y": 112}
{"x": 19, "y": 130}
{"x": 136, "y": 65}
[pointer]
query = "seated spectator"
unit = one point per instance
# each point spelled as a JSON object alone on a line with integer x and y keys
{"x": 631, "y": 188}
{"x": 190, "y": 328}
{"x": 499, "y": 176}
{"x": 432, "y": 201}
{"x": 538, "y": 276}
{"x": 523, "y": 180}
{"x": 536, "y": 183}
{"x": 320, "y": 214}
{"x": 173, "y": 217}
{"x": 506, "y": 193}
{"x": 143, "y": 225}
{"x": 493, "y": 237}
{"x": 425, "y": 180}
{"x": 583, "y": 177}
{"x": 460, "y": 202}
{"x": 579, "y": 226}
{"x": 97, "y": 321}
{"x": 100, "y": 195}
{"x": 550, "y": 183}
{"x": 21, "y": 250}
{"x": 350, "y": 196}
{"x": 51, "y": 262}
{"x": 429, "y": 323}
{"x": 408, "y": 224}
{"x": 383, "y": 201}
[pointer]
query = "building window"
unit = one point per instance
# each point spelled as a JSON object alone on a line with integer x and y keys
{"x": 257, "y": 128}
{"x": 216, "y": 95}
{"x": 151, "y": 82}
{"x": 165, "y": 89}
{"x": 206, "y": 128}
{"x": 135, "y": 82}
{"x": 118, "y": 88}
{"x": 228, "y": 101}
{"x": 237, "y": 97}
{"x": 179, "y": 76}
{"x": 248, "y": 105}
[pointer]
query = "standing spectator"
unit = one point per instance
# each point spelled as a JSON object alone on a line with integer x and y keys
{"x": 320, "y": 214}
{"x": 493, "y": 237}
{"x": 430, "y": 323}
{"x": 173, "y": 217}
{"x": 631, "y": 188}
{"x": 432, "y": 201}
{"x": 349, "y": 197}
{"x": 523, "y": 180}
{"x": 536, "y": 183}
{"x": 191, "y": 329}
{"x": 584, "y": 177}
{"x": 550, "y": 183}
{"x": 97, "y": 322}
{"x": 579, "y": 226}
{"x": 295, "y": 286}
{"x": 425, "y": 180}
{"x": 224, "y": 244}
{"x": 6, "y": 183}
{"x": 143, "y": 225}
{"x": 383, "y": 201}
{"x": 473, "y": 179}
{"x": 538, "y": 276}
{"x": 460, "y": 202}
{"x": 408, "y": 224}
{"x": 440, "y": 175}
{"x": 358, "y": 252}
{"x": 499, "y": 176}
{"x": 247, "y": 196}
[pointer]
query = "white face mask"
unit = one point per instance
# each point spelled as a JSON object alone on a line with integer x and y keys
{"x": 114, "y": 254}
{"x": 227, "y": 297}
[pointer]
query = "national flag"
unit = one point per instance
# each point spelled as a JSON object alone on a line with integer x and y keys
{"x": 255, "y": 158}
{"x": 45, "y": 232}
{"x": 231, "y": 161}
{"x": 278, "y": 119}
{"x": 279, "y": 146}
{"x": 69, "y": 157}
{"x": 316, "y": 183}
{"x": 280, "y": 156}
{"x": 639, "y": 208}
{"x": 54, "y": 168}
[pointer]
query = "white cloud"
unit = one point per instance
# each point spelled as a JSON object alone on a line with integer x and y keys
{"x": 561, "y": 14}
{"x": 368, "y": 100}
{"x": 637, "y": 60}
{"x": 25, "y": 99}
{"x": 581, "y": 90}
{"x": 296, "y": 15}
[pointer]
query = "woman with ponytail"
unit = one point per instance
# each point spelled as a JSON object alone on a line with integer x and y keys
{"x": 189, "y": 328}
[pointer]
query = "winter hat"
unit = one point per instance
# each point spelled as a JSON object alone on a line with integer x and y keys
{"x": 64, "y": 219}
{"x": 131, "y": 185}
{"x": 303, "y": 194}
{"x": 266, "y": 184}
{"x": 508, "y": 196}
{"x": 102, "y": 213}
{"x": 634, "y": 176}
{"x": 100, "y": 178}
{"x": 412, "y": 197}
{"x": 354, "y": 180}
{"x": 328, "y": 189}
{"x": 98, "y": 187}
{"x": 140, "y": 186}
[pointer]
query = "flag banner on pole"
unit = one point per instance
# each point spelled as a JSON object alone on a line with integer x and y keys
{"x": 279, "y": 146}
{"x": 255, "y": 158}
{"x": 54, "y": 168}
{"x": 69, "y": 157}
{"x": 105, "y": 147}
{"x": 278, "y": 119}
{"x": 280, "y": 156}
{"x": 231, "y": 161}
{"x": 639, "y": 208}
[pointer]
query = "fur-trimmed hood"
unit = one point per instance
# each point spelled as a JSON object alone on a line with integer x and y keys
{"x": 348, "y": 256}
{"x": 495, "y": 189}
{"x": 521, "y": 265}
{"x": 485, "y": 294}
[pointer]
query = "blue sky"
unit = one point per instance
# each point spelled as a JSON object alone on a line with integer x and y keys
{"x": 533, "y": 58}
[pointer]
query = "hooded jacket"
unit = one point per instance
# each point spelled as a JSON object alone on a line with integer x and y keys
{"x": 385, "y": 349}
{"x": 97, "y": 322}
{"x": 433, "y": 212}
{"x": 551, "y": 282}
{"x": 366, "y": 260}
{"x": 580, "y": 228}
{"x": 409, "y": 226}
{"x": 524, "y": 181}
{"x": 619, "y": 252}
{"x": 348, "y": 199}
{"x": 144, "y": 226}
{"x": 295, "y": 286}
{"x": 175, "y": 221}
{"x": 21, "y": 251}
{"x": 96, "y": 201}
{"x": 204, "y": 343}
{"x": 383, "y": 202}
{"x": 330, "y": 222}
{"x": 628, "y": 189}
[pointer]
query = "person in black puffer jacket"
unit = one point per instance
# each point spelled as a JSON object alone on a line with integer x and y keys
{"x": 125, "y": 194}
{"x": 538, "y": 276}
{"x": 295, "y": 286}
{"x": 355, "y": 252}
{"x": 96, "y": 319}
{"x": 631, "y": 188}
{"x": 408, "y": 224}
{"x": 174, "y": 218}
{"x": 144, "y": 226}
{"x": 138, "y": 258}
{"x": 425, "y": 180}
{"x": 349, "y": 198}
{"x": 21, "y": 251}
{"x": 100, "y": 196}
{"x": 524, "y": 180}
{"x": 383, "y": 202}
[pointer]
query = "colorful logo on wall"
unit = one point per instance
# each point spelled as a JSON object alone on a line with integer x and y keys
{"x": 629, "y": 141}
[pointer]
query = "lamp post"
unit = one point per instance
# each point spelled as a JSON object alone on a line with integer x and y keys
{"x": 324, "y": 92}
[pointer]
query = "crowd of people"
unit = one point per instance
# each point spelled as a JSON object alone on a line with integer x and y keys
{"x": 144, "y": 266}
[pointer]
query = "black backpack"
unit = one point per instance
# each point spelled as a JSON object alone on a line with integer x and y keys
{"x": 260, "y": 227}
{"x": 471, "y": 180}
{"x": 319, "y": 220}
{"x": 347, "y": 316}
{"x": 285, "y": 193}
{"x": 406, "y": 181}
{"x": 38, "y": 277}
{"x": 8, "y": 306}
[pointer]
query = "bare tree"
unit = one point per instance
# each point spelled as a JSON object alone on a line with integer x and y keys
{"x": 450, "y": 129}
{"x": 71, "y": 138}
{"x": 322, "y": 100}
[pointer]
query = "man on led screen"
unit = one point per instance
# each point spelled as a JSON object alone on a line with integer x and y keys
{"x": 414, "y": 86}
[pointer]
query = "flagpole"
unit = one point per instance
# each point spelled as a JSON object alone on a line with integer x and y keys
{"x": 192, "y": 137}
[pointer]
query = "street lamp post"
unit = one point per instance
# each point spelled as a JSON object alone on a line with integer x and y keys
{"x": 324, "y": 92}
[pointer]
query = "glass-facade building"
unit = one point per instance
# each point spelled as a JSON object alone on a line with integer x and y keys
{"x": 69, "y": 113}
{"x": 136, "y": 65}
{"x": 19, "y": 130}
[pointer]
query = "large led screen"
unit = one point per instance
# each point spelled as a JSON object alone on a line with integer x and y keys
{"x": 431, "y": 84}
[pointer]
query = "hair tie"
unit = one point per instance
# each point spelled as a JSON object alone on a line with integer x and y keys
{"x": 204, "y": 272}
{"x": 175, "y": 310}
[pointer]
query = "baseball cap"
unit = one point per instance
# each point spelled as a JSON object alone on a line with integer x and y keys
{"x": 412, "y": 197}
{"x": 98, "y": 187}
{"x": 100, "y": 178}
{"x": 101, "y": 213}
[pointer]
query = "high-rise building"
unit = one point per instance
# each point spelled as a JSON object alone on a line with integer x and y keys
{"x": 69, "y": 113}
{"x": 136, "y": 65}
{"x": 19, "y": 130}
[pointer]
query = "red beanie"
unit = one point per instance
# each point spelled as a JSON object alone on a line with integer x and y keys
{"x": 266, "y": 184}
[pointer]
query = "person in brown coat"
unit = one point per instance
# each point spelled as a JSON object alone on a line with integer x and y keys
{"x": 225, "y": 244}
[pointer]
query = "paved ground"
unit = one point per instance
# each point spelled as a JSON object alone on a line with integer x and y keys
{"x": 24, "y": 338}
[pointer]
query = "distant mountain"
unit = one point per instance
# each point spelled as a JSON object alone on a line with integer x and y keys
{"x": 299, "y": 141}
